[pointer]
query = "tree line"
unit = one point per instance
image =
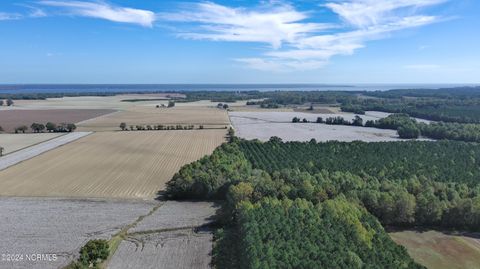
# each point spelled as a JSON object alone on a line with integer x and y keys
{"x": 408, "y": 128}
{"x": 8, "y": 102}
{"x": 160, "y": 127}
{"x": 49, "y": 127}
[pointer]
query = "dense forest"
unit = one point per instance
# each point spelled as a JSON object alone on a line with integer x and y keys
{"x": 296, "y": 233}
{"x": 446, "y": 161}
{"x": 406, "y": 184}
{"x": 460, "y": 105}
{"x": 410, "y": 128}
{"x": 444, "y": 93}
{"x": 463, "y": 111}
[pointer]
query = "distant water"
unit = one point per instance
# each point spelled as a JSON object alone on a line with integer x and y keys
{"x": 99, "y": 88}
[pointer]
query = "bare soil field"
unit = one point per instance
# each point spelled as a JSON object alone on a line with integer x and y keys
{"x": 60, "y": 226}
{"x": 171, "y": 237}
{"x": 10, "y": 119}
{"x": 439, "y": 250}
{"x": 209, "y": 117}
{"x": 110, "y": 164}
{"x": 262, "y": 126}
{"x": 14, "y": 142}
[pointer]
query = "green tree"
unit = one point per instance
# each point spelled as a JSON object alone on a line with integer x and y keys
{"x": 51, "y": 127}
{"x": 37, "y": 127}
{"x": 357, "y": 121}
{"x": 94, "y": 252}
{"x": 21, "y": 128}
{"x": 408, "y": 131}
{"x": 123, "y": 126}
{"x": 71, "y": 127}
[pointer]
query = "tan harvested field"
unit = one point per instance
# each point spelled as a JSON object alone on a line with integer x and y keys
{"x": 110, "y": 164}
{"x": 89, "y": 102}
{"x": 437, "y": 250}
{"x": 14, "y": 142}
{"x": 207, "y": 116}
{"x": 10, "y": 119}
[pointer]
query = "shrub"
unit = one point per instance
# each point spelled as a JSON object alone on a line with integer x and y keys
{"x": 94, "y": 252}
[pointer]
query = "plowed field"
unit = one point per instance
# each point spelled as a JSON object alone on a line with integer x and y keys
{"x": 110, "y": 164}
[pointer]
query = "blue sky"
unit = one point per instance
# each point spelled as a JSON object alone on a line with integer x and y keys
{"x": 242, "y": 41}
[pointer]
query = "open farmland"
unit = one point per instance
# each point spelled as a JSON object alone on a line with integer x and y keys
{"x": 171, "y": 237}
{"x": 263, "y": 125}
{"x": 14, "y": 142}
{"x": 91, "y": 102}
{"x": 10, "y": 119}
{"x": 60, "y": 226}
{"x": 439, "y": 250}
{"x": 149, "y": 115}
{"x": 35, "y": 150}
{"x": 110, "y": 164}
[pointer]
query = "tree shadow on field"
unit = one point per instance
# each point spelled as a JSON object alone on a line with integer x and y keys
{"x": 161, "y": 196}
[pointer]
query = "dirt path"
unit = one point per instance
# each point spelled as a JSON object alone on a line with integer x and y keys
{"x": 174, "y": 235}
{"x": 30, "y": 152}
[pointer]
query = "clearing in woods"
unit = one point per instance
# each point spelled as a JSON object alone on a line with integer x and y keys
{"x": 439, "y": 250}
{"x": 110, "y": 164}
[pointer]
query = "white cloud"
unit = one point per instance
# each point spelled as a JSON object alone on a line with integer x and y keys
{"x": 105, "y": 11}
{"x": 365, "y": 13}
{"x": 9, "y": 16}
{"x": 37, "y": 13}
{"x": 297, "y": 43}
{"x": 273, "y": 24}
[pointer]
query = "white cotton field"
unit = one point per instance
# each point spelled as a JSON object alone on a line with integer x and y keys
{"x": 263, "y": 125}
{"x": 60, "y": 226}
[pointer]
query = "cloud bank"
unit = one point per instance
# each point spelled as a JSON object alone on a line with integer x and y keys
{"x": 294, "y": 39}
{"x": 296, "y": 42}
